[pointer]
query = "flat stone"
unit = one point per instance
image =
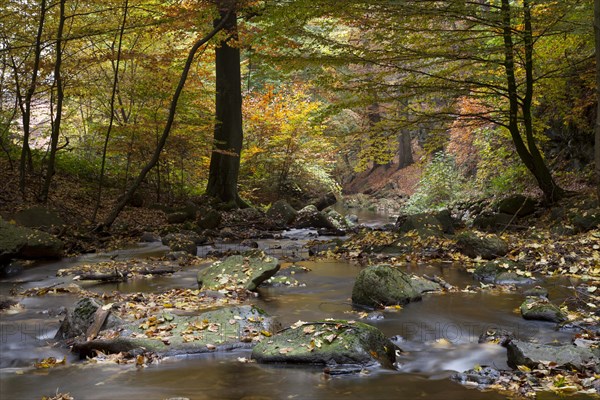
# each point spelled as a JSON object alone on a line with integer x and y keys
{"x": 532, "y": 354}
{"x": 330, "y": 343}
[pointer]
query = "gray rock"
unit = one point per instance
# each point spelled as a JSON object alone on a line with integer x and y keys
{"x": 486, "y": 247}
{"x": 424, "y": 224}
{"x": 497, "y": 336}
{"x": 337, "y": 220}
{"x": 481, "y": 376}
{"x": 247, "y": 271}
{"x": 586, "y": 220}
{"x": 538, "y": 308}
{"x": 330, "y": 343}
{"x": 328, "y": 199}
{"x": 512, "y": 278}
{"x": 21, "y": 242}
{"x": 310, "y": 217}
{"x": 281, "y": 213}
{"x": 382, "y": 285}
{"x": 532, "y": 354}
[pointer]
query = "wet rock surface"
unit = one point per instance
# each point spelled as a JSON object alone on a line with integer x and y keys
{"x": 248, "y": 270}
{"x": 382, "y": 285}
{"x": 532, "y": 354}
{"x": 331, "y": 343}
{"x": 541, "y": 309}
{"x": 486, "y": 247}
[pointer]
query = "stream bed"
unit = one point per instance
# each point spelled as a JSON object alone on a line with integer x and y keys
{"x": 438, "y": 336}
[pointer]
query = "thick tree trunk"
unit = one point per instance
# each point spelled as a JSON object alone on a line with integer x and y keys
{"x": 529, "y": 154}
{"x": 405, "y": 156}
{"x": 597, "y": 127}
{"x": 228, "y": 134}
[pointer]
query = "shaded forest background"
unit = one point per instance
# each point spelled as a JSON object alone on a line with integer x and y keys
{"x": 442, "y": 101}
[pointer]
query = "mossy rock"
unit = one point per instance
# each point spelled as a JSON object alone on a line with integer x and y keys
{"x": 79, "y": 319}
{"x": 21, "y": 242}
{"x": 166, "y": 334}
{"x": 281, "y": 213}
{"x": 311, "y": 217}
{"x": 486, "y": 247}
{"x": 424, "y": 224}
{"x": 541, "y": 309}
{"x": 517, "y": 204}
{"x": 210, "y": 220}
{"x": 331, "y": 343}
{"x": 384, "y": 285}
{"x": 248, "y": 271}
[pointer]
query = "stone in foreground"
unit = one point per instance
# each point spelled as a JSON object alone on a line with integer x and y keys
{"x": 247, "y": 271}
{"x": 570, "y": 356}
{"x": 330, "y": 343}
{"x": 383, "y": 285}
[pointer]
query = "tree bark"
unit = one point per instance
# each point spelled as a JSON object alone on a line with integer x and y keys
{"x": 60, "y": 95}
{"x": 165, "y": 134}
{"x": 529, "y": 153}
{"x": 26, "y": 104}
{"x": 405, "y": 156}
{"x": 113, "y": 94}
{"x": 228, "y": 133}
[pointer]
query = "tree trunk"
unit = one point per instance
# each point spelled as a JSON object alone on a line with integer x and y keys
{"x": 405, "y": 156}
{"x": 60, "y": 95}
{"x": 228, "y": 134}
{"x": 167, "y": 129}
{"x": 597, "y": 127}
{"x": 113, "y": 94}
{"x": 26, "y": 105}
{"x": 529, "y": 154}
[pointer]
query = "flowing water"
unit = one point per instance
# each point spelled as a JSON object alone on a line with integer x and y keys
{"x": 437, "y": 335}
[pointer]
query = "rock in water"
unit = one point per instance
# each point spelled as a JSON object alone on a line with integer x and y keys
{"x": 331, "y": 343}
{"x": 539, "y": 308}
{"x": 532, "y": 354}
{"x": 247, "y": 271}
{"x": 486, "y": 247}
{"x": 310, "y": 217}
{"x": 383, "y": 285}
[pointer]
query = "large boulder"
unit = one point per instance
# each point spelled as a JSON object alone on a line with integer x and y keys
{"x": 330, "y": 343}
{"x": 209, "y": 220}
{"x": 424, "y": 224}
{"x": 569, "y": 356}
{"x": 328, "y": 199}
{"x": 187, "y": 242}
{"x": 494, "y": 222}
{"x": 585, "y": 220}
{"x": 310, "y": 217}
{"x": 37, "y": 217}
{"x": 281, "y": 213}
{"x": 21, "y": 242}
{"x": 384, "y": 285}
{"x": 337, "y": 220}
{"x": 486, "y": 247}
{"x": 247, "y": 271}
{"x": 540, "y": 308}
{"x": 517, "y": 204}
{"x": 170, "y": 335}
